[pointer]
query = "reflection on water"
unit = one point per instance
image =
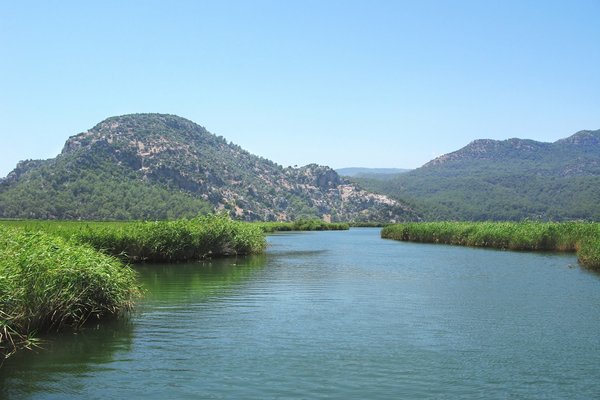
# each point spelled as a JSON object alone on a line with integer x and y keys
{"x": 65, "y": 357}
{"x": 338, "y": 315}
{"x": 185, "y": 283}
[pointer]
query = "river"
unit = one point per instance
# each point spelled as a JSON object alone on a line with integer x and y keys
{"x": 342, "y": 315}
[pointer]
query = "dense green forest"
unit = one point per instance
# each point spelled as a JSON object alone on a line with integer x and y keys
{"x": 505, "y": 180}
{"x": 98, "y": 190}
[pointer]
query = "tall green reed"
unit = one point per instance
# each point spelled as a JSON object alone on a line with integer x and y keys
{"x": 48, "y": 282}
{"x": 580, "y": 237}
{"x": 302, "y": 225}
{"x": 160, "y": 241}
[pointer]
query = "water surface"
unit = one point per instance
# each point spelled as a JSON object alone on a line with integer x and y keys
{"x": 337, "y": 315}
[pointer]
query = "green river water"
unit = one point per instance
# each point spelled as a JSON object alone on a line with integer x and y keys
{"x": 340, "y": 315}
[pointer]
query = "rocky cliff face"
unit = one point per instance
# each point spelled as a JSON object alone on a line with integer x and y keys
{"x": 173, "y": 153}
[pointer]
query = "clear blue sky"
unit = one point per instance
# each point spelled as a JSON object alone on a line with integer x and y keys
{"x": 340, "y": 83}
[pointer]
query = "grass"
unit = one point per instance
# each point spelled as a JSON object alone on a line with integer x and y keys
{"x": 580, "y": 237}
{"x": 179, "y": 240}
{"x": 84, "y": 229}
{"x": 48, "y": 282}
{"x": 371, "y": 224}
{"x": 302, "y": 225}
{"x": 160, "y": 241}
{"x": 61, "y": 273}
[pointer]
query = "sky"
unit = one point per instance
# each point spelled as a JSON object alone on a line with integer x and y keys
{"x": 340, "y": 83}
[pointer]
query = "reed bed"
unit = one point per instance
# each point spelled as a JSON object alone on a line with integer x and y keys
{"x": 62, "y": 273}
{"x": 580, "y": 237}
{"x": 48, "y": 282}
{"x": 160, "y": 241}
{"x": 302, "y": 225}
{"x": 175, "y": 241}
{"x": 372, "y": 224}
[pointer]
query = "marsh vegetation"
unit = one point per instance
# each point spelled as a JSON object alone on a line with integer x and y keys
{"x": 62, "y": 273}
{"x": 57, "y": 274}
{"x": 48, "y": 283}
{"x": 580, "y": 237}
{"x": 159, "y": 241}
{"x": 303, "y": 225}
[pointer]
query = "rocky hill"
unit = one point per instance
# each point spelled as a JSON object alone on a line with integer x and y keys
{"x": 576, "y": 155}
{"x": 506, "y": 180}
{"x": 144, "y": 166}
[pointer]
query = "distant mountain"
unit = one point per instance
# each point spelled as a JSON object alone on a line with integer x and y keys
{"x": 375, "y": 173}
{"x": 155, "y": 166}
{"x": 506, "y": 180}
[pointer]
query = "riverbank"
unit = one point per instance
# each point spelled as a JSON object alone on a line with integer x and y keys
{"x": 580, "y": 237}
{"x": 55, "y": 274}
{"x": 431, "y": 315}
{"x": 158, "y": 241}
{"x": 302, "y": 225}
{"x": 48, "y": 283}
{"x": 61, "y": 273}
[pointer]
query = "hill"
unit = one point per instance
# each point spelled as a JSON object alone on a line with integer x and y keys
{"x": 511, "y": 179}
{"x": 156, "y": 166}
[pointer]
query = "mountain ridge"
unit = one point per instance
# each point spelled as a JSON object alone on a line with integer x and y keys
{"x": 570, "y": 156}
{"x": 509, "y": 179}
{"x": 191, "y": 169}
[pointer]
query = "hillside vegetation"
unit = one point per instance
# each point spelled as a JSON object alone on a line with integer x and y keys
{"x": 156, "y": 166}
{"x": 513, "y": 179}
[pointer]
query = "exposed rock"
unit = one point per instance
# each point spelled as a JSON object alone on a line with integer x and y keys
{"x": 182, "y": 156}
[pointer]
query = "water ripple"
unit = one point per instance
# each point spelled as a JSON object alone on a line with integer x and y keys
{"x": 339, "y": 315}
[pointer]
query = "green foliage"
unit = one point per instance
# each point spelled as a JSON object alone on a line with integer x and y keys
{"x": 589, "y": 253}
{"x": 507, "y": 180}
{"x": 368, "y": 224}
{"x": 48, "y": 282}
{"x": 170, "y": 241}
{"x": 156, "y": 166}
{"x": 487, "y": 196}
{"x": 52, "y": 274}
{"x": 95, "y": 188}
{"x": 582, "y": 237}
{"x": 302, "y": 225}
